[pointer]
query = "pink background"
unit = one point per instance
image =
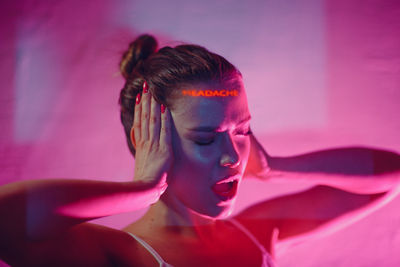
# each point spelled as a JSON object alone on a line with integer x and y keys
{"x": 319, "y": 74}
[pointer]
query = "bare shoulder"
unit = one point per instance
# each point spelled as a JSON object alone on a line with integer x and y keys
{"x": 85, "y": 244}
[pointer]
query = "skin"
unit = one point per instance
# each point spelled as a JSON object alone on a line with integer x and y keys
{"x": 48, "y": 223}
{"x": 188, "y": 215}
{"x": 201, "y": 157}
{"x": 198, "y": 167}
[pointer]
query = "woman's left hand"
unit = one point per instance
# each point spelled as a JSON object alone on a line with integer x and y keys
{"x": 257, "y": 165}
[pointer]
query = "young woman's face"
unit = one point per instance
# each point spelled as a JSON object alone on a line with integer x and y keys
{"x": 210, "y": 142}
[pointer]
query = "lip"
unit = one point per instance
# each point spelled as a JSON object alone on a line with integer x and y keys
{"x": 225, "y": 191}
{"x": 228, "y": 179}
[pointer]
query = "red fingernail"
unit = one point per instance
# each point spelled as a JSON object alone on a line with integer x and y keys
{"x": 145, "y": 87}
{"x": 138, "y": 98}
{"x": 162, "y": 108}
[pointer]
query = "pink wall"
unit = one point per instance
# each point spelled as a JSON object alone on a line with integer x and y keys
{"x": 319, "y": 74}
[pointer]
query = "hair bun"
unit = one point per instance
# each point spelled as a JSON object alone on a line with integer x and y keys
{"x": 139, "y": 50}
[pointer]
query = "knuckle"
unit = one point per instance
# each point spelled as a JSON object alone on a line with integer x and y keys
{"x": 151, "y": 143}
{"x": 146, "y": 145}
{"x": 164, "y": 150}
{"x": 146, "y": 115}
{"x": 153, "y": 119}
{"x": 140, "y": 143}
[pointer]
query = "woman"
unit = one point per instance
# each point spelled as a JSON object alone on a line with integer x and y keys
{"x": 186, "y": 119}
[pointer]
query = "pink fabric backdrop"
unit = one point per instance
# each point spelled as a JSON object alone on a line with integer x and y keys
{"x": 319, "y": 74}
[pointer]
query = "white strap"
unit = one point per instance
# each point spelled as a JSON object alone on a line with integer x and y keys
{"x": 267, "y": 259}
{"x": 152, "y": 251}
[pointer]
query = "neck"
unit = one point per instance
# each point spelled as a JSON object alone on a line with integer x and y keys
{"x": 172, "y": 215}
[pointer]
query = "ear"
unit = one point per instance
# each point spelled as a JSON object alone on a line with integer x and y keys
{"x": 132, "y": 136}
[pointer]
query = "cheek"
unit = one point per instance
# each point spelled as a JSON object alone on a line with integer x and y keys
{"x": 200, "y": 156}
{"x": 191, "y": 161}
{"x": 192, "y": 173}
{"x": 245, "y": 148}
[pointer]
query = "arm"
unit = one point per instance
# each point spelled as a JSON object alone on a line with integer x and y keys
{"x": 354, "y": 169}
{"x": 39, "y": 209}
{"x": 313, "y": 213}
{"x": 40, "y": 220}
{"x": 352, "y": 183}
{"x": 37, "y": 216}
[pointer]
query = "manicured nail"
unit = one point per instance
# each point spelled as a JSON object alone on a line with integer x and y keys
{"x": 145, "y": 87}
{"x": 138, "y": 98}
{"x": 162, "y": 108}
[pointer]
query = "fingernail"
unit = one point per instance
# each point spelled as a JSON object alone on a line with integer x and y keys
{"x": 162, "y": 108}
{"x": 145, "y": 87}
{"x": 138, "y": 98}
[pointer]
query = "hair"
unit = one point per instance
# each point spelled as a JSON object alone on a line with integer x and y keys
{"x": 166, "y": 71}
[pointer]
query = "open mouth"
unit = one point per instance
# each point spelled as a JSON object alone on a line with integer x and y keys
{"x": 225, "y": 191}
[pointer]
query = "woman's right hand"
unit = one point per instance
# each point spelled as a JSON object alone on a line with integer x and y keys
{"x": 151, "y": 136}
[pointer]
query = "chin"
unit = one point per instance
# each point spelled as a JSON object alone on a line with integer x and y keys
{"x": 211, "y": 210}
{"x": 217, "y": 212}
{"x": 226, "y": 212}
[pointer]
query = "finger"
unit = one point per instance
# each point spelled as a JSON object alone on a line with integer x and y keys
{"x": 155, "y": 121}
{"x": 165, "y": 134}
{"x": 136, "y": 121}
{"x": 146, "y": 97}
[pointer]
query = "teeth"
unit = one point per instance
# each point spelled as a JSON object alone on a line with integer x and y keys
{"x": 230, "y": 180}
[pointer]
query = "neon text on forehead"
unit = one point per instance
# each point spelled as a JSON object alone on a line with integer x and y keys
{"x": 210, "y": 93}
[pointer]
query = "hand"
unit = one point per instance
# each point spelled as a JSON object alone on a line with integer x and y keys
{"x": 151, "y": 136}
{"x": 257, "y": 165}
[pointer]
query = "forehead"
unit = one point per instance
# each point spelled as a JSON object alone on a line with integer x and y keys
{"x": 222, "y": 107}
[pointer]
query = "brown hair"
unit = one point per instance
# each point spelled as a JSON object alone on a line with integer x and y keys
{"x": 166, "y": 71}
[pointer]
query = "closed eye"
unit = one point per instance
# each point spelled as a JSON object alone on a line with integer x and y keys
{"x": 204, "y": 144}
{"x": 246, "y": 133}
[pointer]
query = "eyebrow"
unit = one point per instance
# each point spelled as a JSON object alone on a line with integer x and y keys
{"x": 212, "y": 129}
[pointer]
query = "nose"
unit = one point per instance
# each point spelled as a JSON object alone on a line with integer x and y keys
{"x": 230, "y": 156}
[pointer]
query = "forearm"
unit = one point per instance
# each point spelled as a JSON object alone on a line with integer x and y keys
{"x": 355, "y": 169}
{"x": 39, "y": 208}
